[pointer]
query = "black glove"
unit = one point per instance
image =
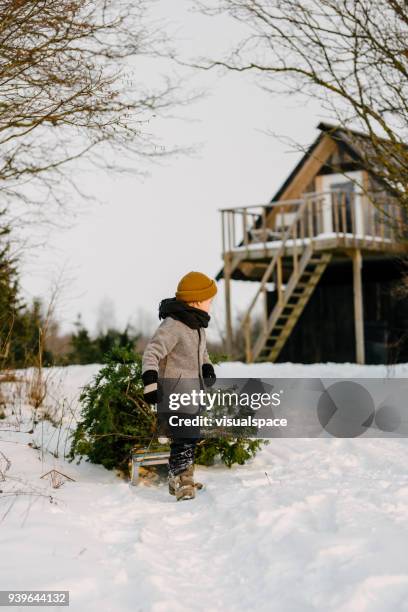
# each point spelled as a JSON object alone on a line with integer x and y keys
{"x": 208, "y": 374}
{"x": 152, "y": 392}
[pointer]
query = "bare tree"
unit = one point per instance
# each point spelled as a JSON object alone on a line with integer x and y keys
{"x": 106, "y": 316}
{"x": 351, "y": 54}
{"x": 70, "y": 86}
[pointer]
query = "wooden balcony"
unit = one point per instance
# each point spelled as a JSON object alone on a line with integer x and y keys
{"x": 329, "y": 220}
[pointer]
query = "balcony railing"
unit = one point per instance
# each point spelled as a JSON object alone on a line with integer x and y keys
{"x": 372, "y": 219}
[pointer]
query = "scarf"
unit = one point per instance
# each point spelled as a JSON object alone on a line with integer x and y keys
{"x": 176, "y": 309}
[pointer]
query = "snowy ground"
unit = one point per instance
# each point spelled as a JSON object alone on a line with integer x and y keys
{"x": 318, "y": 524}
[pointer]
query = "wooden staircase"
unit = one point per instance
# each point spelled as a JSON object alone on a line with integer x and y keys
{"x": 287, "y": 311}
{"x": 306, "y": 265}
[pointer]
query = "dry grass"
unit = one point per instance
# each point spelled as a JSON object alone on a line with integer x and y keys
{"x": 37, "y": 389}
{"x": 9, "y": 376}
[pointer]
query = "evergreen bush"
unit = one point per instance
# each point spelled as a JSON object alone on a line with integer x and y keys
{"x": 20, "y": 323}
{"x": 114, "y": 417}
{"x": 230, "y": 450}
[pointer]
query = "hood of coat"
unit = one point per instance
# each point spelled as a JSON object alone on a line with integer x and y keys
{"x": 176, "y": 309}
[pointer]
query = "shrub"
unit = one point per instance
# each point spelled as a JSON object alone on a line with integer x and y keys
{"x": 230, "y": 450}
{"x": 114, "y": 417}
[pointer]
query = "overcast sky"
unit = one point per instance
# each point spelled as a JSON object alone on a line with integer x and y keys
{"x": 128, "y": 249}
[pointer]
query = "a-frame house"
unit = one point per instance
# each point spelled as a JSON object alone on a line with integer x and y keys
{"x": 324, "y": 257}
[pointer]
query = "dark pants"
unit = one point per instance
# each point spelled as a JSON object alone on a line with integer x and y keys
{"x": 181, "y": 454}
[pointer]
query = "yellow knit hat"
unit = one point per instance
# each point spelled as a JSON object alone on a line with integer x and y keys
{"x": 195, "y": 287}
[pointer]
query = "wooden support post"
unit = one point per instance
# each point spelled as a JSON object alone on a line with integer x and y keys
{"x": 353, "y": 217}
{"x": 264, "y": 238}
{"x": 294, "y": 252}
{"x": 247, "y": 334}
{"x": 265, "y": 309}
{"x": 279, "y": 279}
{"x": 245, "y": 226}
{"x": 343, "y": 221}
{"x": 310, "y": 218}
{"x": 358, "y": 306}
{"x": 227, "y": 289}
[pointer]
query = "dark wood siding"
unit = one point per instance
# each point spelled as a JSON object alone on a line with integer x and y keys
{"x": 325, "y": 330}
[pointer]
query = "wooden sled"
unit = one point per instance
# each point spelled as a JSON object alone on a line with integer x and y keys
{"x": 145, "y": 458}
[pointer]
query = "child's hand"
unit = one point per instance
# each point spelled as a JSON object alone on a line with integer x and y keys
{"x": 208, "y": 374}
{"x": 151, "y": 392}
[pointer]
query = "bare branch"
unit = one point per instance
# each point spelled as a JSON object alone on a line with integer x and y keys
{"x": 350, "y": 54}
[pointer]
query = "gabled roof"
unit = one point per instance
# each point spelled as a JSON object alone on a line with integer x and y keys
{"x": 297, "y": 168}
{"x": 339, "y": 135}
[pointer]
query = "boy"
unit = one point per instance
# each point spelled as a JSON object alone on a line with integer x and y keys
{"x": 178, "y": 350}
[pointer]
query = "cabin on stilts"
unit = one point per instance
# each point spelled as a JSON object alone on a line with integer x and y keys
{"x": 323, "y": 257}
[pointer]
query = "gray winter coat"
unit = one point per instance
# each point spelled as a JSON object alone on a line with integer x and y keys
{"x": 176, "y": 351}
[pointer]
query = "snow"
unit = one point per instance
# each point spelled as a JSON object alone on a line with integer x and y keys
{"x": 275, "y": 244}
{"x": 309, "y": 524}
{"x": 315, "y": 370}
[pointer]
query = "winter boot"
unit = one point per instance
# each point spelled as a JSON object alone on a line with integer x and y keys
{"x": 182, "y": 485}
{"x": 197, "y": 485}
